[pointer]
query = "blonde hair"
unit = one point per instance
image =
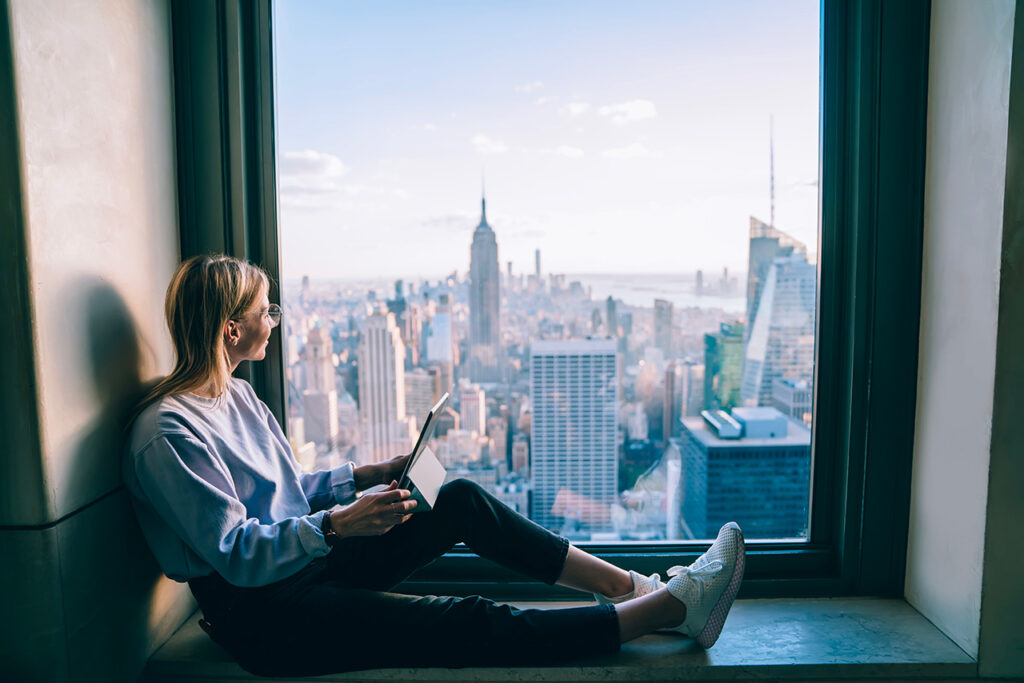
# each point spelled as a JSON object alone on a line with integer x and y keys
{"x": 204, "y": 294}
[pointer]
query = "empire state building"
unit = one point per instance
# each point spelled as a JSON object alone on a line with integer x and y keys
{"x": 484, "y": 298}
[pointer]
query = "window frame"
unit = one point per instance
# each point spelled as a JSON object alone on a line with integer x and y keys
{"x": 873, "y": 70}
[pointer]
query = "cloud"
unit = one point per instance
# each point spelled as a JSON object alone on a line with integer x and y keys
{"x": 312, "y": 180}
{"x": 310, "y": 171}
{"x": 529, "y": 87}
{"x": 633, "y": 151}
{"x": 486, "y": 145}
{"x": 628, "y": 112}
{"x": 451, "y": 223}
{"x": 359, "y": 190}
{"x": 567, "y": 151}
{"x": 575, "y": 108}
{"x": 545, "y": 99}
{"x": 428, "y": 127}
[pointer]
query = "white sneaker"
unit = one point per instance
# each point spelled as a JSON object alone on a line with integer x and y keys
{"x": 642, "y": 585}
{"x": 708, "y": 586}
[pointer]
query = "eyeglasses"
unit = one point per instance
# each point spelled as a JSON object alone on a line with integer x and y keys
{"x": 273, "y": 314}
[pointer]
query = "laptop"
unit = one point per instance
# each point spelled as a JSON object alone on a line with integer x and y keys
{"x": 424, "y": 474}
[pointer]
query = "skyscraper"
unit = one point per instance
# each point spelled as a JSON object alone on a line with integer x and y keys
{"x": 472, "y": 410}
{"x": 691, "y": 388}
{"x": 320, "y": 399}
{"x": 663, "y": 326}
{"x": 781, "y": 345}
{"x": 520, "y": 453}
{"x": 723, "y": 367}
{"x": 419, "y": 394}
{"x": 497, "y": 432}
{"x": 794, "y": 398}
{"x": 612, "y": 318}
{"x": 484, "y": 301}
{"x": 752, "y": 466}
{"x": 672, "y": 407}
{"x": 573, "y": 433}
{"x": 766, "y": 243}
{"x": 381, "y": 356}
{"x": 439, "y": 340}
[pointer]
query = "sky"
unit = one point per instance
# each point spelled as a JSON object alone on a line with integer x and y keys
{"x": 615, "y": 137}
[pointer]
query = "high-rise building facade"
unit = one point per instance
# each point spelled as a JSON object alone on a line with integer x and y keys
{"x": 520, "y": 453}
{"x": 419, "y": 394}
{"x": 794, "y": 398}
{"x": 663, "y": 326}
{"x": 723, "y": 367}
{"x": 672, "y": 406}
{"x": 319, "y": 365}
{"x": 752, "y": 466}
{"x": 766, "y": 244}
{"x": 573, "y": 434}
{"x": 691, "y": 388}
{"x": 611, "y": 317}
{"x": 484, "y": 304}
{"x": 781, "y": 345}
{"x": 381, "y": 356}
{"x": 472, "y": 410}
{"x": 320, "y": 399}
{"x": 497, "y": 432}
{"x": 439, "y": 340}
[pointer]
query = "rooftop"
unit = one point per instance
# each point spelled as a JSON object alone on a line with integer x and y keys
{"x": 797, "y": 434}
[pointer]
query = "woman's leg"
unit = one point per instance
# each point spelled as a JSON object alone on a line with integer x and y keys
{"x": 464, "y": 512}
{"x": 321, "y": 627}
{"x": 467, "y": 513}
{"x": 649, "y": 613}
{"x": 585, "y": 572}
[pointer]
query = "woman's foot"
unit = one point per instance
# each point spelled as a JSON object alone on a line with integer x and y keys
{"x": 642, "y": 585}
{"x": 708, "y": 587}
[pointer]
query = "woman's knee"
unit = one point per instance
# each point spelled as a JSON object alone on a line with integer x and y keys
{"x": 461, "y": 490}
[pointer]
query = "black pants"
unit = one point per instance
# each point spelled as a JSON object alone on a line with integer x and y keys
{"x": 336, "y": 614}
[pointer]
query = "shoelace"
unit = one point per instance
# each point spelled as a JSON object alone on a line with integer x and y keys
{"x": 699, "y": 574}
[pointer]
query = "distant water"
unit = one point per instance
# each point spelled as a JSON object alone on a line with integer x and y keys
{"x": 643, "y": 288}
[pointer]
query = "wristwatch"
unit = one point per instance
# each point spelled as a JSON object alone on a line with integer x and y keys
{"x": 329, "y": 534}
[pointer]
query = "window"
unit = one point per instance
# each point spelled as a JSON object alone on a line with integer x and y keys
{"x": 649, "y": 183}
{"x": 873, "y": 70}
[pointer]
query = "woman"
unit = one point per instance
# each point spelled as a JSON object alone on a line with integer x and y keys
{"x": 289, "y": 585}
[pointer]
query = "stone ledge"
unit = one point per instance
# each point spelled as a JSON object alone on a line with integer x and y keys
{"x": 845, "y": 639}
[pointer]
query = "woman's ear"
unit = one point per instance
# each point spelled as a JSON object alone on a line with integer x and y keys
{"x": 232, "y": 333}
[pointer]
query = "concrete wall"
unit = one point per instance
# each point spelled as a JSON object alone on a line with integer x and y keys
{"x": 968, "y": 102}
{"x": 92, "y": 94}
{"x": 1001, "y": 642}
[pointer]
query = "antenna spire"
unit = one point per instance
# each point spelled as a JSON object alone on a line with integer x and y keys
{"x": 771, "y": 165}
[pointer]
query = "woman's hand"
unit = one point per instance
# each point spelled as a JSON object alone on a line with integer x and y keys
{"x": 380, "y": 473}
{"x": 392, "y": 469}
{"x": 374, "y": 513}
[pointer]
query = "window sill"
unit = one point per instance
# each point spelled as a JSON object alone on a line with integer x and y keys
{"x": 809, "y": 639}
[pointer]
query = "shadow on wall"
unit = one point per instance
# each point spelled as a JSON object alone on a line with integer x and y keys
{"x": 120, "y": 608}
{"x": 113, "y": 360}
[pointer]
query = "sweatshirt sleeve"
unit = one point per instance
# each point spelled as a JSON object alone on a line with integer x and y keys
{"x": 327, "y": 488}
{"x": 323, "y": 489}
{"x": 194, "y": 494}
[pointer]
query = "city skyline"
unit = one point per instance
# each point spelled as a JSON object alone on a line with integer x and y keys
{"x": 584, "y": 424}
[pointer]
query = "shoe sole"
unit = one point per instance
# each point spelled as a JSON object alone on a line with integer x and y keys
{"x": 709, "y": 634}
